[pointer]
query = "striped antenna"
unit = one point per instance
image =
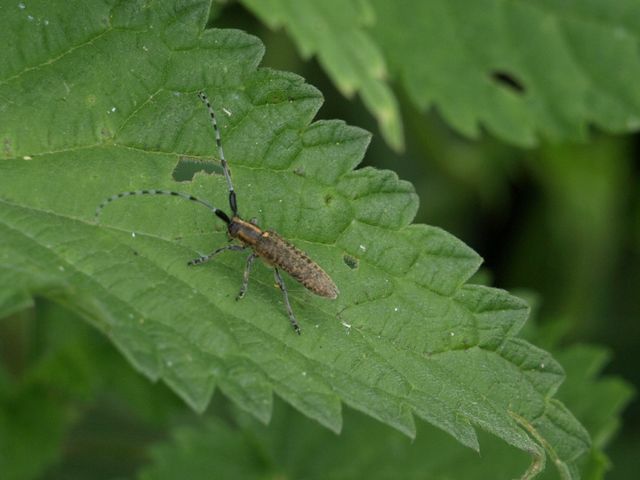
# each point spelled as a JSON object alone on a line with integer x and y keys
{"x": 225, "y": 166}
{"x": 186, "y": 196}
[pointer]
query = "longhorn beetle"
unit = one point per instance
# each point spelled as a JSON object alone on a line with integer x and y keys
{"x": 266, "y": 244}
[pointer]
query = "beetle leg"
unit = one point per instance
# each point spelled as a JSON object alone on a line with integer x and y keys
{"x": 292, "y": 318}
{"x": 245, "y": 275}
{"x": 206, "y": 258}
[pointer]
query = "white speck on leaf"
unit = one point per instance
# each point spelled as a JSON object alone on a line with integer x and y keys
{"x": 22, "y": 6}
{"x": 133, "y": 234}
{"x": 228, "y": 112}
{"x": 363, "y": 248}
{"x": 452, "y": 334}
{"x": 61, "y": 268}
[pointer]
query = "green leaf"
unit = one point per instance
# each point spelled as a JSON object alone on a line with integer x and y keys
{"x": 35, "y": 386}
{"x": 294, "y": 447}
{"x": 68, "y": 391}
{"x": 520, "y": 70}
{"x": 104, "y": 101}
{"x": 597, "y": 402}
{"x": 334, "y": 30}
{"x": 198, "y": 453}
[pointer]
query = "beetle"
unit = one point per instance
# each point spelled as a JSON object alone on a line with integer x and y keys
{"x": 268, "y": 245}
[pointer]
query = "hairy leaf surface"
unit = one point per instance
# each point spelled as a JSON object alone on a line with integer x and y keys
{"x": 100, "y": 98}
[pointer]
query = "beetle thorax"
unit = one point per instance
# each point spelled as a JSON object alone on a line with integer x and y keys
{"x": 246, "y": 232}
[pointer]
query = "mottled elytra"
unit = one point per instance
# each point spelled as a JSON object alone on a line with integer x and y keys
{"x": 266, "y": 244}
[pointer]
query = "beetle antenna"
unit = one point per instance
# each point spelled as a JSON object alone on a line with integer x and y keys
{"x": 219, "y": 213}
{"x": 233, "y": 204}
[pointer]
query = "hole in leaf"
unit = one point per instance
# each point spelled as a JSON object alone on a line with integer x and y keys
{"x": 187, "y": 167}
{"x": 508, "y": 80}
{"x": 350, "y": 261}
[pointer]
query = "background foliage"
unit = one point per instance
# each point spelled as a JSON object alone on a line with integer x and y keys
{"x": 561, "y": 220}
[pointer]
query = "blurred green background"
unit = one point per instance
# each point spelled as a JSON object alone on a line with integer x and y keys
{"x": 560, "y": 222}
